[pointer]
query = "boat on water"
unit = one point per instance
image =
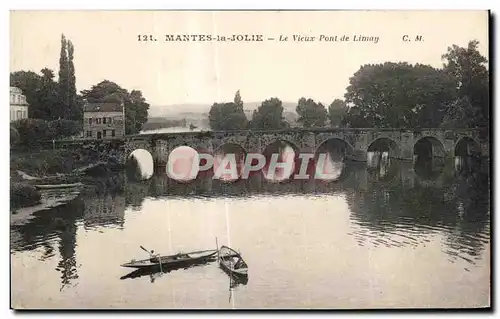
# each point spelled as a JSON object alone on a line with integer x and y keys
{"x": 171, "y": 260}
{"x": 231, "y": 262}
{"x": 58, "y": 186}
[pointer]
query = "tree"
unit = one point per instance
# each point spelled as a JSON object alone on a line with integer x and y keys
{"x": 398, "y": 95}
{"x": 461, "y": 114}
{"x": 468, "y": 68}
{"x": 269, "y": 115}
{"x": 76, "y": 109}
{"x": 41, "y": 93}
{"x": 336, "y": 112}
{"x": 31, "y": 131}
{"x": 311, "y": 114}
{"x": 227, "y": 117}
{"x": 136, "y": 107}
{"x": 237, "y": 99}
{"x": 64, "y": 96}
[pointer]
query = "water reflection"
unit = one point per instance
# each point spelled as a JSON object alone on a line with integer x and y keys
{"x": 156, "y": 272}
{"x": 396, "y": 215}
{"x": 389, "y": 206}
{"x": 55, "y": 230}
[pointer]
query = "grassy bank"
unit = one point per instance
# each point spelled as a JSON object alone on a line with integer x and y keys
{"x": 48, "y": 162}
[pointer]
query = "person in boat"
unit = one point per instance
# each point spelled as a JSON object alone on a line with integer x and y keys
{"x": 239, "y": 264}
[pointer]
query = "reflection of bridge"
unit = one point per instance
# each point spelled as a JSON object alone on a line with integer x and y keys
{"x": 354, "y": 143}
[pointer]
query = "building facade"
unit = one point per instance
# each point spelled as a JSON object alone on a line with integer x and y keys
{"x": 18, "y": 104}
{"x": 103, "y": 120}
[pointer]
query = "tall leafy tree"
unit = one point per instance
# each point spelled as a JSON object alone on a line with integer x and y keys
{"x": 398, "y": 95}
{"x": 74, "y": 107}
{"x": 469, "y": 70}
{"x": 269, "y": 115}
{"x": 64, "y": 94}
{"x": 226, "y": 117}
{"x": 336, "y": 112}
{"x": 237, "y": 100}
{"x": 41, "y": 93}
{"x": 311, "y": 114}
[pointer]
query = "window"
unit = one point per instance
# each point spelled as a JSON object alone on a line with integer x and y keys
{"x": 103, "y": 120}
{"x": 24, "y": 115}
{"x": 103, "y": 133}
{"x": 90, "y": 121}
{"x": 110, "y": 121}
{"x": 98, "y": 120}
{"x": 19, "y": 115}
{"x": 89, "y": 133}
{"x": 113, "y": 133}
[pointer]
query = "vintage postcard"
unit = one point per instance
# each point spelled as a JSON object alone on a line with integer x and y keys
{"x": 249, "y": 159}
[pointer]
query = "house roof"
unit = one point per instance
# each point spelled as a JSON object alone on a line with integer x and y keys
{"x": 103, "y": 107}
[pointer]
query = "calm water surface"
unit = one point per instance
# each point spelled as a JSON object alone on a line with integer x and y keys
{"x": 374, "y": 238}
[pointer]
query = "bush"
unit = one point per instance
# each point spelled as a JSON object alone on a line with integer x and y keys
{"x": 31, "y": 130}
{"x": 14, "y": 136}
{"x": 22, "y": 195}
{"x": 64, "y": 128}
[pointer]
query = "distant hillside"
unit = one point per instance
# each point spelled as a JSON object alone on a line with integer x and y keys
{"x": 175, "y": 110}
{"x": 182, "y": 115}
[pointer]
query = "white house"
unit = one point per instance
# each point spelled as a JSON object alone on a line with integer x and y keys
{"x": 18, "y": 105}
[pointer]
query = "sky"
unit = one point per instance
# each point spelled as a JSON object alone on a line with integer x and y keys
{"x": 170, "y": 73}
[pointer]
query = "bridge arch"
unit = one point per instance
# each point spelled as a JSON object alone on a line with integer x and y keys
{"x": 334, "y": 167}
{"x": 285, "y": 148}
{"x": 384, "y": 144}
{"x": 219, "y": 158}
{"x": 139, "y": 165}
{"x": 344, "y": 146}
{"x": 183, "y": 164}
{"x": 467, "y": 146}
{"x": 428, "y": 147}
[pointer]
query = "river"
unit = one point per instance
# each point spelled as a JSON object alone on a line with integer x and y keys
{"x": 373, "y": 239}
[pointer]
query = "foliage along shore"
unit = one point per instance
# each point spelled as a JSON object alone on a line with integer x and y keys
{"x": 59, "y": 166}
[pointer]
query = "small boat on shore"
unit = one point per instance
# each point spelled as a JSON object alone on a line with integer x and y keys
{"x": 58, "y": 186}
{"x": 232, "y": 262}
{"x": 171, "y": 260}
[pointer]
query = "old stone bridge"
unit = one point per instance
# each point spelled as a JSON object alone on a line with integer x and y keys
{"x": 354, "y": 143}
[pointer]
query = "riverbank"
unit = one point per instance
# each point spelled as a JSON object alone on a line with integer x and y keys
{"x": 54, "y": 166}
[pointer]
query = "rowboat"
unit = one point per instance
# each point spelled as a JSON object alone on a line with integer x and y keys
{"x": 232, "y": 262}
{"x": 171, "y": 260}
{"x": 55, "y": 186}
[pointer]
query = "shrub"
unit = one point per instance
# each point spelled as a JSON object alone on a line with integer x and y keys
{"x": 22, "y": 195}
{"x": 14, "y": 136}
{"x": 32, "y": 130}
{"x": 64, "y": 128}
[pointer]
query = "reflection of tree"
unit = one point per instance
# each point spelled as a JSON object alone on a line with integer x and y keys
{"x": 397, "y": 214}
{"x": 135, "y": 192}
{"x": 471, "y": 195}
{"x": 58, "y": 222}
{"x": 132, "y": 169}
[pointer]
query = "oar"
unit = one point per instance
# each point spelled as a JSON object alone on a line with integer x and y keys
{"x": 217, "y": 245}
{"x": 145, "y": 250}
{"x": 159, "y": 257}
